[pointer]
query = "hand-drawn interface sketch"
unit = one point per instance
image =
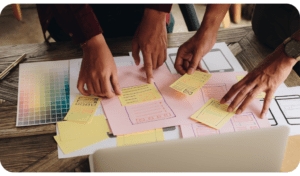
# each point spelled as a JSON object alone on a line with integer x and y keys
{"x": 244, "y": 121}
{"x": 219, "y": 59}
{"x": 285, "y": 109}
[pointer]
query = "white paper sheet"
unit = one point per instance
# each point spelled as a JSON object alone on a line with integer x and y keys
{"x": 285, "y": 109}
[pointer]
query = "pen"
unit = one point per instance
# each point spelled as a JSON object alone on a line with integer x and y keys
{"x": 6, "y": 71}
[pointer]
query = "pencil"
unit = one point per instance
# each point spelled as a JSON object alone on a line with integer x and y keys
{"x": 6, "y": 71}
{"x": 17, "y": 11}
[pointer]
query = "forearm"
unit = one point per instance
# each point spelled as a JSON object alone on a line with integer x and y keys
{"x": 214, "y": 15}
{"x": 154, "y": 15}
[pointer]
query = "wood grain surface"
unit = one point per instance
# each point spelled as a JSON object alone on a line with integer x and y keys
{"x": 34, "y": 149}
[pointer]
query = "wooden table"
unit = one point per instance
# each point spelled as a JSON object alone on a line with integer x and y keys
{"x": 34, "y": 149}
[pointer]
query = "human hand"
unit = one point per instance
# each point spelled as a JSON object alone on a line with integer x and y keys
{"x": 265, "y": 78}
{"x": 192, "y": 51}
{"x": 98, "y": 70}
{"x": 151, "y": 39}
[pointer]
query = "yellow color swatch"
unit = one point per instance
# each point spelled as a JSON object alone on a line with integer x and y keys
{"x": 139, "y": 94}
{"x": 213, "y": 114}
{"x": 190, "y": 84}
{"x": 77, "y": 135}
{"x": 141, "y": 137}
{"x": 83, "y": 108}
{"x": 262, "y": 95}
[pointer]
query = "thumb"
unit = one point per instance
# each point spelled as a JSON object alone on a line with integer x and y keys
{"x": 195, "y": 62}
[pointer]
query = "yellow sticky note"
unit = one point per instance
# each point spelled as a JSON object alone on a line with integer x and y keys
{"x": 213, "y": 114}
{"x": 73, "y": 145}
{"x": 139, "y": 94}
{"x": 83, "y": 108}
{"x": 96, "y": 127}
{"x": 141, "y": 137}
{"x": 77, "y": 135}
{"x": 190, "y": 84}
{"x": 259, "y": 96}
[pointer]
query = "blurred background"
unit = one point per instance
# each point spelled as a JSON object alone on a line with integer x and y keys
{"x": 28, "y": 29}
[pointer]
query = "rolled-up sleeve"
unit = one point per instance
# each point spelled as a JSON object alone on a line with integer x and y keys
{"x": 78, "y": 20}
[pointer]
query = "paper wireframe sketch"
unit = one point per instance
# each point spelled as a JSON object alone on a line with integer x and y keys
{"x": 244, "y": 121}
{"x": 219, "y": 59}
{"x": 218, "y": 85}
{"x": 171, "y": 110}
{"x": 285, "y": 109}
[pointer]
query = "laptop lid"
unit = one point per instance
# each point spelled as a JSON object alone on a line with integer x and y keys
{"x": 259, "y": 150}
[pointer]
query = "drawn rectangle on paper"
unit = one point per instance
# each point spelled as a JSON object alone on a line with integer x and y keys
{"x": 290, "y": 107}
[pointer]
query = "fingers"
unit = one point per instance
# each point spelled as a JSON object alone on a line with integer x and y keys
{"x": 115, "y": 84}
{"x": 161, "y": 58}
{"x": 250, "y": 97}
{"x": 148, "y": 67}
{"x": 267, "y": 102}
{"x": 195, "y": 62}
{"x": 135, "y": 52}
{"x": 233, "y": 90}
{"x": 106, "y": 87}
{"x": 201, "y": 68}
{"x": 80, "y": 87}
{"x": 90, "y": 88}
{"x": 179, "y": 63}
{"x": 186, "y": 65}
{"x": 97, "y": 87}
{"x": 240, "y": 96}
{"x": 154, "y": 60}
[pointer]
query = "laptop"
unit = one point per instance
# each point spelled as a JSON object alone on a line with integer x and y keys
{"x": 259, "y": 150}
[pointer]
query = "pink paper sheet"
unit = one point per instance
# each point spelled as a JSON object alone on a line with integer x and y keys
{"x": 218, "y": 85}
{"x": 173, "y": 109}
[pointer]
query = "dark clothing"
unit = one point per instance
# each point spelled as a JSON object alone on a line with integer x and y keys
{"x": 81, "y": 22}
{"x": 273, "y": 23}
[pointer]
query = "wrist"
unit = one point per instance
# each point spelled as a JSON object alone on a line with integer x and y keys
{"x": 286, "y": 60}
{"x": 206, "y": 31}
{"x": 96, "y": 41}
{"x": 154, "y": 15}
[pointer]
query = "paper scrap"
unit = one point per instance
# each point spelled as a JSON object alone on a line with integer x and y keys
{"x": 141, "y": 137}
{"x": 213, "y": 114}
{"x": 139, "y": 94}
{"x": 83, "y": 108}
{"x": 190, "y": 84}
{"x": 262, "y": 95}
{"x": 77, "y": 135}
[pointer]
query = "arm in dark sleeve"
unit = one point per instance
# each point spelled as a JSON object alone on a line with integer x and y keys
{"x": 78, "y": 20}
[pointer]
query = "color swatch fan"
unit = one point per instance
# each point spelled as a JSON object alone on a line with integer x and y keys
{"x": 43, "y": 93}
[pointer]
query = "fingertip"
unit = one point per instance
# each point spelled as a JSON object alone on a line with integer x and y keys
{"x": 191, "y": 71}
{"x": 118, "y": 91}
{"x": 150, "y": 80}
{"x": 239, "y": 111}
{"x": 222, "y": 101}
{"x": 263, "y": 115}
{"x": 229, "y": 109}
